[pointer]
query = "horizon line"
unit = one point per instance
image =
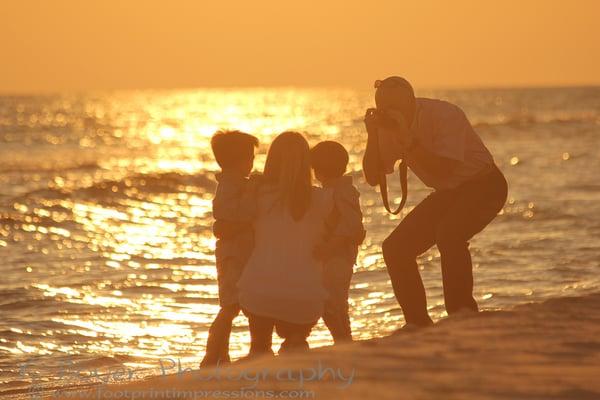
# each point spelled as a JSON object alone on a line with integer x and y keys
{"x": 49, "y": 92}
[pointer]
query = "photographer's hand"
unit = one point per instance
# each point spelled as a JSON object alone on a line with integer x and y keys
{"x": 371, "y": 121}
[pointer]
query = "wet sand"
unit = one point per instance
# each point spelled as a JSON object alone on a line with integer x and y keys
{"x": 549, "y": 350}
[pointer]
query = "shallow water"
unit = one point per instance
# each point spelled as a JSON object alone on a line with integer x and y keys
{"x": 105, "y": 216}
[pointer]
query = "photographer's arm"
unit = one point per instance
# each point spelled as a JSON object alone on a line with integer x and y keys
{"x": 371, "y": 158}
{"x": 371, "y": 162}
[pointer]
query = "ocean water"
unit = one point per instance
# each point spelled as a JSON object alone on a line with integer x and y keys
{"x": 107, "y": 257}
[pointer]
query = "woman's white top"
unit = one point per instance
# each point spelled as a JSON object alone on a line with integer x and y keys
{"x": 282, "y": 279}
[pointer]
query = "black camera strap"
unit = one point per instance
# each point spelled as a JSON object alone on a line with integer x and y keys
{"x": 403, "y": 174}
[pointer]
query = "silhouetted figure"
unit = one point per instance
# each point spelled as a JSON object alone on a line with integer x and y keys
{"x": 233, "y": 213}
{"x": 345, "y": 233}
{"x": 281, "y": 286}
{"x": 437, "y": 142}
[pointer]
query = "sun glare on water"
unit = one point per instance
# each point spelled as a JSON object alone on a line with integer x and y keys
{"x": 129, "y": 239}
{"x": 107, "y": 228}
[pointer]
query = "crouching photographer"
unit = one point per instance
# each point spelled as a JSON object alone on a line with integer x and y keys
{"x": 435, "y": 140}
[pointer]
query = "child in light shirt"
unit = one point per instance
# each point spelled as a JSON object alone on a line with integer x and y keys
{"x": 346, "y": 232}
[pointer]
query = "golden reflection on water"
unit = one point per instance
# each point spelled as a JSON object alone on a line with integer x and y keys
{"x": 124, "y": 247}
{"x": 148, "y": 278}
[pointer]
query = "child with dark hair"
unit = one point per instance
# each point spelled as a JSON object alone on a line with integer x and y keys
{"x": 233, "y": 211}
{"x": 346, "y": 232}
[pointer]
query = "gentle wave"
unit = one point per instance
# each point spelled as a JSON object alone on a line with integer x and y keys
{"x": 528, "y": 120}
{"x": 168, "y": 182}
{"x": 87, "y": 166}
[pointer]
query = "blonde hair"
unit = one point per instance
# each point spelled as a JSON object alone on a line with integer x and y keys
{"x": 288, "y": 169}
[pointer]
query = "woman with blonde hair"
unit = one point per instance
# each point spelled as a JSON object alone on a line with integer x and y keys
{"x": 281, "y": 284}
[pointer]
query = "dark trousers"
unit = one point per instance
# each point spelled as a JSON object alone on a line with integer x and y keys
{"x": 261, "y": 334}
{"x": 217, "y": 345}
{"x": 449, "y": 219}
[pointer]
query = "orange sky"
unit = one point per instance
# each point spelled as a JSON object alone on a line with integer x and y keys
{"x": 49, "y": 45}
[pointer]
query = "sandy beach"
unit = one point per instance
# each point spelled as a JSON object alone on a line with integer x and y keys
{"x": 549, "y": 350}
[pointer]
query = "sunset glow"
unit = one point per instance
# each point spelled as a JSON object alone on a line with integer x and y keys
{"x": 71, "y": 45}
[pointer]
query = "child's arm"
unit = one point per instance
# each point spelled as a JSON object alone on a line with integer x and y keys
{"x": 249, "y": 201}
{"x": 349, "y": 229}
{"x": 350, "y": 225}
{"x": 243, "y": 209}
{"x": 226, "y": 229}
{"x": 235, "y": 201}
